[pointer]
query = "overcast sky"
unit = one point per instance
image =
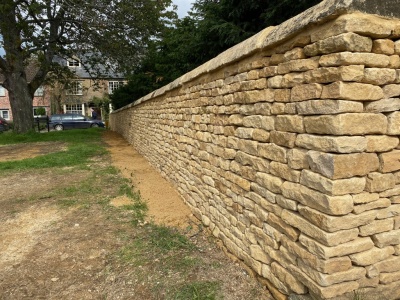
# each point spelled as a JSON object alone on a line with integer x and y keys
{"x": 183, "y": 7}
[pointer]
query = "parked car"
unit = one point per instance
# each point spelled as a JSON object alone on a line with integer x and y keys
{"x": 3, "y": 125}
{"x": 72, "y": 121}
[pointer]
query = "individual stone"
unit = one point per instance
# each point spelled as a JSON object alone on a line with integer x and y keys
{"x": 299, "y": 65}
{"x": 378, "y": 182}
{"x": 286, "y": 203}
{"x": 381, "y": 143}
{"x": 390, "y": 161}
{"x": 284, "y": 171}
{"x": 376, "y": 226}
{"x": 365, "y": 198}
{"x": 384, "y": 105}
{"x": 325, "y": 185}
{"x": 306, "y": 92}
{"x": 325, "y": 238}
{"x": 260, "y": 135}
{"x": 391, "y": 90}
{"x": 389, "y": 212}
{"x": 289, "y": 123}
{"x": 278, "y": 108}
{"x": 384, "y": 239}
{"x": 281, "y": 138}
{"x": 336, "y": 144}
{"x": 379, "y": 76}
{"x": 352, "y": 91}
{"x": 343, "y": 42}
{"x": 347, "y": 124}
{"x": 292, "y": 79}
{"x": 285, "y": 276}
{"x": 294, "y": 54}
{"x": 394, "y": 62}
{"x": 338, "y": 166}
{"x": 383, "y": 46}
{"x": 349, "y": 58}
{"x": 371, "y": 256}
{"x": 380, "y": 203}
{"x": 328, "y": 107}
{"x": 244, "y": 133}
{"x": 248, "y": 146}
{"x": 394, "y": 123}
{"x": 272, "y": 152}
{"x": 332, "y": 74}
{"x": 388, "y": 265}
{"x": 258, "y": 254}
{"x": 279, "y": 224}
{"x": 324, "y": 252}
{"x": 334, "y": 223}
{"x": 394, "y": 191}
{"x": 282, "y": 95}
{"x": 297, "y": 159}
{"x": 386, "y": 278}
{"x": 235, "y": 120}
{"x": 275, "y": 82}
{"x": 270, "y": 182}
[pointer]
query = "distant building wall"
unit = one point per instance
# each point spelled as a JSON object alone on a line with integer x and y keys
{"x": 287, "y": 147}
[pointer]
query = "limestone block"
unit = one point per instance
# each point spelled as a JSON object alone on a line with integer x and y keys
{"x": 332, "y": 74}
{"x": 297, "y": 159}
{"x": 331, "y": 279}
{"x": 338, "y": 166}
{"x": 258, "y": 254}
{"x": 292, "y": 79}
{"x": 347, "y": 124}
{"x": 284, "y": 171}
{"x": 365, "y": 198}
{"x": 323, "y": 292}
{"x": 368, "y": 282}
{"x": 336, "y": 144}
{"x": 306, "y": 92}
{"x": 267, "y": 123}
{"x": 248, "y": 146}
{"x": 381, "y": 143}
{"x": 376, "y": 226}
{"x": 348, "y": 58}
{"x": 380, "y": 203}
{"x": 378, "y": 182}
{"x": 390, "y": 161}
{"x": 275, "y": 82}
{"x": 261, "y": 108}
{"x": 271, "y": 71}
{"x": 356, "y": 246}
{"x": 394, "y": 123}
{"x": 385, "y": 239}
{"x": 343, "y": 42}
{"x": 279, "y": 224}
{"x": 388, "y": 265}
{"x": 270, "y": 182}
{"x": 255, "y": 121}
{"x": 334, "y": 223}
{"x": 278, "y": 108}
{"x": 294, "y": 54}
{"x": 276, "y": 59}
{"x": 325, "y": 185}
{"x": 352, "y": 91}
{"x": 260, "y": 135}
{"x": 290, "y": 108}
{"x": 386, "y": 278}
{"x": 384, "y": 105}
{"x": 244, "y": 133}
{"x": 286, "y": 277}
{"x": 394, "y": 62}
{"x": 326, "y": 238}
{"x": 328, "y": 107}
{"x": 391, "y": 90}
{"x": 272, "y": 152}
{"x": 383, "y": 46}
{"x": 371, "y": 256}
{"x": 283, "y": 95}
{"x": 379, "y": 76}
{"x": 391, "y": 211}
{"x": 286, "y": 203}
{"x": 299, "y": 65}
{"x": 281, "y": 138}
{"x": 289, "y": 123}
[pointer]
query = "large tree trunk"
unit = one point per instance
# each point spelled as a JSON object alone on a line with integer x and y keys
{"x": 21, "y": 101}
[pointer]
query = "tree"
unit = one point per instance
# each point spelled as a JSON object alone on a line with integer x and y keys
{"x": 108, "y": 34}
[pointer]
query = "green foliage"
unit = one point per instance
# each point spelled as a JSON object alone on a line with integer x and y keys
{"x": 207, "y": 290}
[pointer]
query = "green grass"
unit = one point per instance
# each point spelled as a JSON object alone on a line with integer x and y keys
{"x": 206, "y": 290}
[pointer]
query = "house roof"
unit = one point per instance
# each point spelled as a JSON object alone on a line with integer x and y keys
{"x": 30, "y": 70}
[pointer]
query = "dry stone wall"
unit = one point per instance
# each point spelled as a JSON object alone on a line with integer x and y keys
{"x": 287, "y": 148}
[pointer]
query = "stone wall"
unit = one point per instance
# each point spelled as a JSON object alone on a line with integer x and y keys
{"x": 287, "y": 147}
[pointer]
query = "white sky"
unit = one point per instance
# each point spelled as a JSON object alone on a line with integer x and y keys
{"x": 183, "y": 7}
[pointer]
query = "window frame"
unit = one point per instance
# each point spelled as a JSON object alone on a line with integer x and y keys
{"x": 75, "y": 88}
{"x": 113, "y": 85}
{"x": 2, "y": 91}
{"x": 2, "y": 111}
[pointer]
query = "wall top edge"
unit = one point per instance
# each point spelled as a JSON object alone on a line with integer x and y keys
{"x": 316, "y": 15}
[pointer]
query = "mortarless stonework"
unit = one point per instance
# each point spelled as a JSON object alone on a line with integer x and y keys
{"x": 287, "y": 147}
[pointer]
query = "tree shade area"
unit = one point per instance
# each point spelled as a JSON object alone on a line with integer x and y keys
{"x": 212, "y": 27}
{"x": 110, "y": 35}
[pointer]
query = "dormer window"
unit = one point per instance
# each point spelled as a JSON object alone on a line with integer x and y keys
{"x": 72, "y": 62}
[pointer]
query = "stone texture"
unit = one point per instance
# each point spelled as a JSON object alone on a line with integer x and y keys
{"x": 306, "y": 92}
{"x": 336, "y": 144}
{"x": 371, "y": 256}
{"x": 379, "y": 76}
{"x": 352, "y": 91}
{"x": 390, "y": 161}
{"x": 378, "y": 182}
{"x": 332, "y": 74}
{"x": 383, "y": 46}
{"x": 376, "y": 226}
{"x": 378, "y": 143}
{"x": 384, "y": 239}
{"x": 337, "y": 166}
{"x": 384, "y": 105}
{"x": 391, "y": 90}
{"x": 394, "y": 123}
{"x": 328, "y": 107}
{"x": 349, "y": 58}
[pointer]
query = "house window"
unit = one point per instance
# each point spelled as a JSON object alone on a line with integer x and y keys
{"x": 113, "y": 85}
{"x": 73, "y": 63}
{"x": 75, "y": 88}
{"x": 39, "y": 92}
{"x": 2, "y": 91}
{"x": 4, "y": 113}
{"x": 74, "y": 109}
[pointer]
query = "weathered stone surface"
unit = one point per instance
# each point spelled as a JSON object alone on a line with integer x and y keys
{"x": 377, "y": 226}
{"x": 384, "y": 105}
{"x": 388, "y": 265}
{"x": 379, "y": 76}
{"x": 298, "y": 65}
{"x": 346, "y": 124}
{"x": 284, "y": 171}
{"x": 270, "y": 182}
{"x": 390, "y": 161}
{"x": 297, "y": 159}
{"x": 380, "y": 203}
{"x": 332, "y": 74}
{"x": 294, "y": 54}
{"x": 352, "y": 91}
{"x": 336, "y": 144}
{"x": 292, "y": 79}
{"x": 337, "y": 166}
{"x": 325, "y": 238}
{"x": 371, "y": 256}
{"x": 379, "y": 143}
{"x": 306, "y": 92}
{"x": 324, "y": 252}
{"x": 275, "y": 82}
{"x": 349, "y": 58}
{"x": 289, "y": 123}
{"x": 281, "y": 138}
{"x": 384, "y": 239}
{"x": 334, "y": 223}
{"x": 327, "y": 107}
{"x": 383, "y": 46}
{"x": 391, "y": 90}
{"x": 378, "y": 182}
{"x": 365, "y": 198}
{"x": 343, "y": 42}
{"x": 387, "y": 278}
{"x": 391, "y": 211}
{"x": 285, "y": 228}
{"x": 328, "y": 186}
{"x": 394, "y": 123}
{"x": 258, "y": 254}
{"x": 272, "y": 152}
{"x": 288, "y": 278}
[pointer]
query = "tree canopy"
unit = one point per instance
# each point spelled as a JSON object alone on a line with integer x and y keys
{"x": 212, "y": 27}
{"x": 112, "y": 34}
